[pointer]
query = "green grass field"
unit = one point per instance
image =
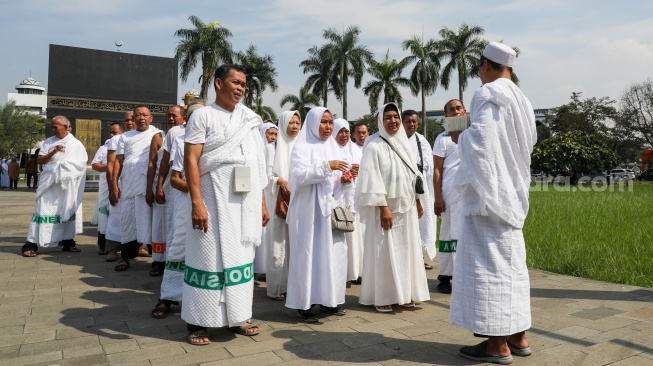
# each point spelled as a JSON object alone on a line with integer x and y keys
{"x": 606, "y": 236}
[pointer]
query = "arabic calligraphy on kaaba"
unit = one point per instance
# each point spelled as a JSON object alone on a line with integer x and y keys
{"x": 102, "y": 105}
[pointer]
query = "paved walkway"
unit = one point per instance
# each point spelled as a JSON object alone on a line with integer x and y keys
{"x": 74, "y": 309}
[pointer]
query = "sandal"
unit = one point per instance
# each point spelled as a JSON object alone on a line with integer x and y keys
{"x": 29, "y": 254}
{"x": 122, "y": 266}
{"x": 477, "y": 353}
{"x": 162, "y": 308}
{"x": 427, "y": 266}
{"x": 243, "y": 330}
{"x": 281, "y": 297}
{"x": 103, "y": 252}
{"x": 198, "y": 334}
{"x": 142, "y": 252}
{"x": 384, "y": 308}
{"x": 408, "y": 305}
{"x": 71, "y": 249}
{"x": 111, "y": 257}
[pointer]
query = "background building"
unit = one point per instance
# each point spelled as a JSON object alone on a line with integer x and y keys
{"x": 31, "y": 95}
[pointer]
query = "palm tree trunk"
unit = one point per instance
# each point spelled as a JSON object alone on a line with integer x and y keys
{"x": 344, "y": 101}
{"x": 325, "y": 94}
{"x": 423, "y": 112}
{"x": 460, "y": 86}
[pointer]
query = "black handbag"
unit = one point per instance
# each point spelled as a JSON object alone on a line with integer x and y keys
{"x": 419, "y": 184}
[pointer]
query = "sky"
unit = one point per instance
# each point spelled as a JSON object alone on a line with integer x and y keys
{"x": 597, "y": 47}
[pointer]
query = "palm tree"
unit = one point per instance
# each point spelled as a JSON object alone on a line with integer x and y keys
{"x": 347, "y": 58}
{"x": 260, "y": 73}
{"x": 208, "y": 43}
{"x": 425, "y": 75}
{"x": 300, "y": 103}
{"x": 319, "y": 82}
{"x": 463, "y": 50}
{"x": 263, "y": 111}
{"x": 388, "y": 78}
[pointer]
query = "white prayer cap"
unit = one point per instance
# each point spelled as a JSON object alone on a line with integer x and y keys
{"x": 500, "y": 53}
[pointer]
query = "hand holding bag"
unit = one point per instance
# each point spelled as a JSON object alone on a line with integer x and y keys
{"x": 283, "y": 199}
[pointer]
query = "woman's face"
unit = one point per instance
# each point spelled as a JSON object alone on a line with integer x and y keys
{"x": 391, "y": 121}
{"x": 343, "y": 137}
{"x": 326, "y": 126}
{"x": 293, "y": 127}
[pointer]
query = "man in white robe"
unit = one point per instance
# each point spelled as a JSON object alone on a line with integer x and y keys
{"x": 446, "y": 161}
{"x": 175, "y": 117}
{"x": 225, "y": 174}
{"x": 360, "y": 134}
{"x": 99, "y": 164}
{"x": 317, "y": 273}
{"x": 491, "y": 289}
{"x": 60, "y": 191}
{"x": 393, "y": 269}
{"x": 114, "y": 233}
{"x": 132, "y": 156}
{"x": 422, "y": 155}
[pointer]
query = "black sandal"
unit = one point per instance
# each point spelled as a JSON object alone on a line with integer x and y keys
{"x": 162, "y": 307}
{"x": 71, "y": 249}
{"x": 122, "y": 265}
{"x": 103, "y": 252}
{"x": 157, "y": 269}
{"x": 29, "y": 254}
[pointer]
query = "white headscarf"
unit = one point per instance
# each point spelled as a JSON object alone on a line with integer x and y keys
{"x": 354, "y": 153}
{"x": 285, "y": 145}
{"x": 264, "y": 128}
{"x": 310, "y": 151}
{"x": 390, "y": 179}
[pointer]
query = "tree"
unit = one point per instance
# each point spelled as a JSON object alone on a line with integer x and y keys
{"x": 300, "y": 103}
{"x": 426, "y": 73}
{"x": 387, "y": 79}
{"x": 208, "y": 43}
{"x": 19, "y": 130}
{"x": 319, "y": 82}
{"x": 636, "y": 111}
{"x": 260, "y": 73}
{"x": 463, "y": 50}
{"x": 589, "y": 115}
{"x": 263, "y": 111}
{"x": 573, "y": 154}
{"x": 348, "y": 59}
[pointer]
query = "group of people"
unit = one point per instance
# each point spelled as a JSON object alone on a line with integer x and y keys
{"x": 222, "y": 196}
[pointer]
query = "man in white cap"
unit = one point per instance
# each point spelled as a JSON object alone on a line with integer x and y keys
{"x": 491, "y": 289}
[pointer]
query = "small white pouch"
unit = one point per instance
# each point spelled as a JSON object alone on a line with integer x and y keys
{"x": 242, "y": 179}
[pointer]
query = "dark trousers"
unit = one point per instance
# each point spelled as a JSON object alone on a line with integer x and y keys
{"x": 29, "y": 179}
{"x": 13, "y": 183}
{"x": 129, "y": 250}
{"x": 101, "y": 241}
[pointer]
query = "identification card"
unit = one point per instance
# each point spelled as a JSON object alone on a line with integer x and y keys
{"x": 242, "y": 179}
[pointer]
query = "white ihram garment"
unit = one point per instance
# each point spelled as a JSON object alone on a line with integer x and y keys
{"x": 445, "y": 148}
{"x": 101, "y": 211}
{"x": 60, "y": 192}
{"x": 491, "y": 289}
{"x": 136, "y": 214}
{"x": 160, "y": 213}
{"x": 218, "y": 279}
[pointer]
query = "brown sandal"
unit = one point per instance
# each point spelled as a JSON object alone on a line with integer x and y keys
{"x": 122, "y": 265}
{"x": 243, "y": 330}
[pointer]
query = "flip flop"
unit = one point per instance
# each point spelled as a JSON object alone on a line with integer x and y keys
{"x": 477, "y": 353}
{"x": 29, "y": 254}
{"x": 381, "y": 310}
{"x": 243, "y": 330}
{"x": 521, "y": 352}
{"x": 198, "y": 334}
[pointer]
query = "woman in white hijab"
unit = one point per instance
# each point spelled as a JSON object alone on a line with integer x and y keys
{"x": 354, "y": 153}
{"x": 393, "y": 269}
{"x": 276, "y": 231}
{"x": 269, "y": 135}
{"x": 318, "y": 255}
